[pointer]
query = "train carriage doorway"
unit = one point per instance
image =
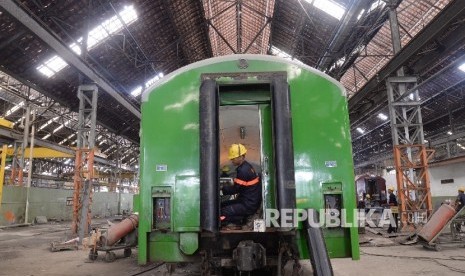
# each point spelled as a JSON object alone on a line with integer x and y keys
{"x": 249, "y": 125}
{"x": 258, "y": 116}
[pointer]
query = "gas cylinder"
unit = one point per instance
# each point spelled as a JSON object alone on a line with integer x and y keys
{"x": 118, "y": 231}
{"x": 435, "y": 224}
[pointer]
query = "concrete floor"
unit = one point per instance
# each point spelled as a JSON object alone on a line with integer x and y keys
{"x": 26, "y": 251}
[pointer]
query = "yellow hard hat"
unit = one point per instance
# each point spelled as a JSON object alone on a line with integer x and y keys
{"x": 225, "y": 168}
{"x": 462, "y": 189}
{"x": 391, "y": 188}
{"x": 236, "y": 150}
{"x": 368, "y": 196}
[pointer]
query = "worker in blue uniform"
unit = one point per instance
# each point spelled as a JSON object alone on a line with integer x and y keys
{"x": 459, "y": 204}
{"x": 248, "y": 187}
{"x": 392, "y": 201}
{"x": 460, "y": 201}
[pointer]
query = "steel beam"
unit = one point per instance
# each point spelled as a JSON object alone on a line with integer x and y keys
{"x": 14, "y": 135}
{"x": 35, "y": 26}
{"x": 436, "y": 27}
{"x": 342, "y": 33}
{"x": 40, "y": 152}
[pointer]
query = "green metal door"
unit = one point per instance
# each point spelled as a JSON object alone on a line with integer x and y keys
{"x": 266, "y": 146}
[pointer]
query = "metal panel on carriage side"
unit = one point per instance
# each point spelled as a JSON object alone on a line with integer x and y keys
{"x": 186, "y": 204}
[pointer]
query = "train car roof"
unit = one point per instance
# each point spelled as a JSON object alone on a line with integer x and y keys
{"x": 220, "y": 59}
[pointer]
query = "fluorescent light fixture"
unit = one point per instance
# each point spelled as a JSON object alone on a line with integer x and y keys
{"x": 360, "y": 130}
{"x": 18, "y": 121}
{"x": 360, "y": 14}
{"x": 411, "y": 96}
{"x": 449, "y": 132}
{"x": 98, "y": 34}
{"x": 14, "y": 109}
{"x": 462, "y": 67}
{"x": 425, "y": 141}
{"x": 330, "y": 7}
{"x": 153, "y": 80}
{"x": 66, "y": 139}
{"x": 382, "y": 116}
{"x": 109, "y": 148}
{"x": 280, "y": 53}
{"x": 58, "y": 128}
{"x": 46, "y": 136}
{"x": 376, "y": 4}
{"x": 137, "y": 91}
{"x": 47, "y": 123}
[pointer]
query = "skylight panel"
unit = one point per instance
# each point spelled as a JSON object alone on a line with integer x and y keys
{"x": 96, "y": 35}
{"x": 56, "y": 63}
{"x": 52, "y": 66}
{"x": 360, "y": 130}
{"x": 45, "y": 70}
{"x": 113, "y": 25}
{"x": 128, "y": 14}
{"x": 330, "y": 7}
{"x": 462, "y": 67}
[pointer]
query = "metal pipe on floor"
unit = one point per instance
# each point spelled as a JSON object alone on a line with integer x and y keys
{"x": 118, "y": 231}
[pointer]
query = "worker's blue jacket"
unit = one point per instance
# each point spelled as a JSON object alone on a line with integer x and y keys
{"x": 247, "y": 185}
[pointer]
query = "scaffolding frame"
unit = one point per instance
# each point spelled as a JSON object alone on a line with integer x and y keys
{"x": 84, "y": 163}
{"x": 410, "y": 155}
{"x": 413, "y": 184}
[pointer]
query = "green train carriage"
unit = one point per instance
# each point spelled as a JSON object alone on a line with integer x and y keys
{"x": 294, "y": 121}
